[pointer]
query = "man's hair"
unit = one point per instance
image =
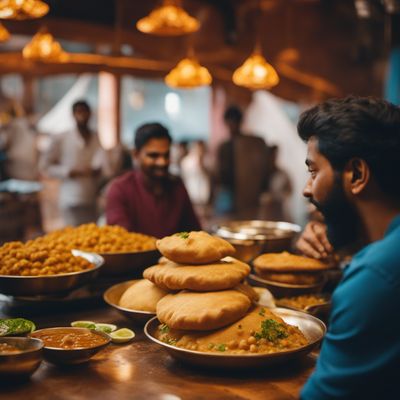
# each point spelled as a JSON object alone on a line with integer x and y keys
{"x": 150, "y": 131}
{"x": 358, "y": 127}
{"x": 80, "y": 103}
{"x": 233, "y": 113}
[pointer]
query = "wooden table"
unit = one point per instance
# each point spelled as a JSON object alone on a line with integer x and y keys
{"x": 142, "y": 370}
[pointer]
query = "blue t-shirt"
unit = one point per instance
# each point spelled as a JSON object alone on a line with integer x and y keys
{"x": 360, "y": 355}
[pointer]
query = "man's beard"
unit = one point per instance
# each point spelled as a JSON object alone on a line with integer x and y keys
{"x": 342, "y": 220}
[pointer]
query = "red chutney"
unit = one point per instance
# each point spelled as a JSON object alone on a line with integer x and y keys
{"x": 69, "y": 338}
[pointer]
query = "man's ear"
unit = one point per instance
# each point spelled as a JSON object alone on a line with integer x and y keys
{"x": 357, "y": 174}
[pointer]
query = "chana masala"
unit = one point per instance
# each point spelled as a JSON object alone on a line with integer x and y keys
{"x": 260, "y": 332}
{"x": 69, "y": 338}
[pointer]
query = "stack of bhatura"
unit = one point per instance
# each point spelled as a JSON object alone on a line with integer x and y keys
{"x": 210, "y": 308}
{"x": 290, "y": 268}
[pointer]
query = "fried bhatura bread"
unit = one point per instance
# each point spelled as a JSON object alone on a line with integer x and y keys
{"x": 202, "y": 311}
{"x": 197, "y": 247}
{"x": 224, "y": 274}
{"x": 292, "y": 279}
{"x": 142, "y": 295}
{"x": 247, "y": 335}
{"x": 286, "y": 262}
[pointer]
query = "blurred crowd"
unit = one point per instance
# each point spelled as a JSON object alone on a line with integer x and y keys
{"x": 239, "y": 179}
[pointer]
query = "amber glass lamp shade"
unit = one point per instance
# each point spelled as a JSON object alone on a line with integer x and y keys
{"x": 168, "y": 20}
{"x": 4, "y": 34}
{"x": 22, "y": 9}
{"x": 256, "y": 73}
{"x": 188, "y": 74}
{"x": 43, "y": 47}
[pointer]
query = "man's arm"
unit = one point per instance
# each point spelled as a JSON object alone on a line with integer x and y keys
{"x": 361, "y": 343}
{"x": 117, "y": 211}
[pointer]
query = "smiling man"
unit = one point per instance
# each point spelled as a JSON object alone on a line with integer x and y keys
{"x": 148, "y": 199}
{"x": 353, "y": 160}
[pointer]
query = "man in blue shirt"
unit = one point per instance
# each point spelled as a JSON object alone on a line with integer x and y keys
{"x": 353, "y": 160}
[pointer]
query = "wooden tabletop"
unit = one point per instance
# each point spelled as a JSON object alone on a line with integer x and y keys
{"x": 141, "y": 369}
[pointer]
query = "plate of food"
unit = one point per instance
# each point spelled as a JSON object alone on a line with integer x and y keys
{"x": 317, "y": 304}
{"x": 30, "y": 270}
{"x": 262, "y": 338}
{"x": 134, "y": 299}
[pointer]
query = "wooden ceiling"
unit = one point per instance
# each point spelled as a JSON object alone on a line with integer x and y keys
{"x": 320, "y": 48}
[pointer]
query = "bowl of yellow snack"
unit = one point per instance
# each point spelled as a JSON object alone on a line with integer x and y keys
{"x": 124, "y": 253}
{"x": 36, "y": 270}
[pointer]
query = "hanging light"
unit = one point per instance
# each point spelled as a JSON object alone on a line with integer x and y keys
{"x": 43, "y": 47}
{"x": 4, "y": 34}
{"x": 23, "y": 9}
{"x": 170, "y": 19}
{"x": 256, "y": 72}
{"x": 188, "y": 74}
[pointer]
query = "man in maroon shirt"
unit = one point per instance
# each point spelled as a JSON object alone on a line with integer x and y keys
{"x": 148, "y": 199}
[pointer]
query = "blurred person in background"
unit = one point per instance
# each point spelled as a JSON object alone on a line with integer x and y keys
{"x": 178, "y": 152}
{"x": 195, "y": 173}
{"x": 242, "y": 170}
{"x": 353, "y": 147}
{"x": 274, "y": 202}
{"x": 149, "y": 199}
{"x": 77, "y": 159}
{"x": 18, "y": 140}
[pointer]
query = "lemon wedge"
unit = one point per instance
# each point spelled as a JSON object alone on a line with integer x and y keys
{"x": 122, "y": 335}
{"x": 106, "y": 328}
{"x": 84, "y": 324}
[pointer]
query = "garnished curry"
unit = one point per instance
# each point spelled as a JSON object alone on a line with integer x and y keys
{"x": 260, "y": 332}
{"x": 69, "y": 338}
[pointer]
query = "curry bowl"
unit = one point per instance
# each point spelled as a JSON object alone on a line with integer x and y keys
{"x": 60, "y": 284}
{"x": 20, "y": 357}
{"x": 312, "y": 328}
{"x": 128, "y": 264}
{"x": 280, "y": 289}
{"x": 112, "y": 296}
{"x": 253, "y": 237}
{"x": 68, "y": 345}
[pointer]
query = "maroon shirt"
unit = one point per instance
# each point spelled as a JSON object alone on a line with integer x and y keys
{"x": 131, "y": 205}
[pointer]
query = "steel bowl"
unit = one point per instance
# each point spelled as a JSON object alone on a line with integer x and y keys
{"x": 252, "y": 238}
{"x": 60, "y": 284}
{"x": 129, "y": 264}
{"x": 312, "y": 328}
{"x": 24, "y": 364}
{"x": 279, "y": 289}
{"x": 57, "y": 355}
{"x": 112, "y": 296}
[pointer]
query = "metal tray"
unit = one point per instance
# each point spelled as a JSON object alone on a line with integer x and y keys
{"x": 129, "y": 264}
{"x": 313, "y": 329}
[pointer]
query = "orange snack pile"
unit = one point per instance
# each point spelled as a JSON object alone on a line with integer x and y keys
{"x": 34, "y": 259}
{"x": 102, "y": 239}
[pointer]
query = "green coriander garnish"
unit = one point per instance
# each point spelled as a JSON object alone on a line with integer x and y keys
{"x": 183, "y": 235}
{"x": 221, "y": 347}
{"x": 210, "y": 346}
{"x": 262, "y": 312}
{"x": 164, "y": 328}
{"x": 271, "y": 330}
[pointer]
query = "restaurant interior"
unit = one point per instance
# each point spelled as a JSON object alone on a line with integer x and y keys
{"x": 94, "y": 307}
